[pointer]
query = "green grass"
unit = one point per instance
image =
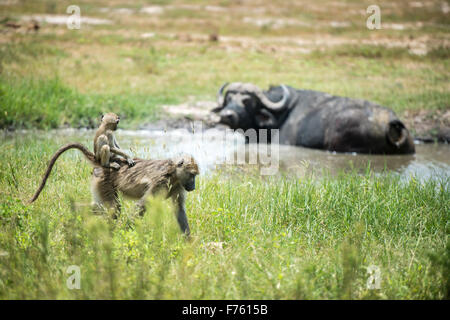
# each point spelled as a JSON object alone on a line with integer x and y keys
{"x": 44, "y": 104}
{"x": 308, "y": 239}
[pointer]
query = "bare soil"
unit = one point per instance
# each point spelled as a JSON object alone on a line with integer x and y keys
{"x": 428, "y": 126}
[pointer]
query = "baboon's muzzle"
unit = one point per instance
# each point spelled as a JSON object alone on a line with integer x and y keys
{"x": 190, "y": 186}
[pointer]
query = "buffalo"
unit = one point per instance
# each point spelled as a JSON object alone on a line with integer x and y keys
{"x": 314, "y": 119}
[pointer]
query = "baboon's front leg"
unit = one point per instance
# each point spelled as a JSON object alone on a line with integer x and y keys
{"x": 181, "y": 214}
{"x": 119, "y": 152}
{"x": 141, "y": 206}
{"x": 183, "y": 221}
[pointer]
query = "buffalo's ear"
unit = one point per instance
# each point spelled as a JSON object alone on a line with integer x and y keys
{"x": 265, "y": 119}
{"x": 397, "y": 133}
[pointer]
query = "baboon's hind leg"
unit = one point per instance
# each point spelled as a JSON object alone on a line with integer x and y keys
{"x": 141, "y": 205}
{"x": 105, "y": 155}
{"x": 142, "y": 202}
{"x": 104, "y": 196}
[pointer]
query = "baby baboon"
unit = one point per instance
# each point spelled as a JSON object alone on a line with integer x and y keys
{"x": 105, "y": 144}
{"x": 148, "y": 177}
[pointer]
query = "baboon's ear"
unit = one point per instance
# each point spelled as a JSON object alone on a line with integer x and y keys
{"x": 180, "y": 163}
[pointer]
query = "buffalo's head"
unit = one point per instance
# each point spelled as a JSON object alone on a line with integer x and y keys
{"x": 245, "y": 106}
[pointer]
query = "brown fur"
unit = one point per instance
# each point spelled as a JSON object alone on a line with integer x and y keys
{"x": 147, "y": 178}
{"x": 106, "y": 148}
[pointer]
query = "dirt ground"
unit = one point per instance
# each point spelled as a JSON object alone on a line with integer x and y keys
{"x": 428, "y": 126}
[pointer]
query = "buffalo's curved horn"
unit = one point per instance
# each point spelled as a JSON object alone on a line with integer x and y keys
{"x": 274, "y": 106}
{"x": 403, "y": 136}
{"x": 251, "y": 88}
{"x": 234, "y": 86}
{"x": 220, "y": 97}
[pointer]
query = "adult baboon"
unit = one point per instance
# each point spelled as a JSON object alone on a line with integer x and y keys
{"x": 148, "y": 177}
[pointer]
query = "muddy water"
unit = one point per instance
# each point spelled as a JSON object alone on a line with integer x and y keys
{"x": 430, "y": 161}
{"x": 215, "y": 149}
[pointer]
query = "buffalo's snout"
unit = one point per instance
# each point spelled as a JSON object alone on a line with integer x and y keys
{"x": 229, "y": 117}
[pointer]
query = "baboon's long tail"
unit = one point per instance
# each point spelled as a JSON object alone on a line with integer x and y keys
{"x": 88, "y": 154}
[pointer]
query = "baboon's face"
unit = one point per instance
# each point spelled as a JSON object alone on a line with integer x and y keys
{"x": 189, "y": 183}
{"x": 111, "y": 120}
{"x": 187, "y": 170}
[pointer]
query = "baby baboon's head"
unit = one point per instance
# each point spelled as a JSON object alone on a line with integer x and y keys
{"x": 187, "y": 170}
{"x": 110, "y": 120}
